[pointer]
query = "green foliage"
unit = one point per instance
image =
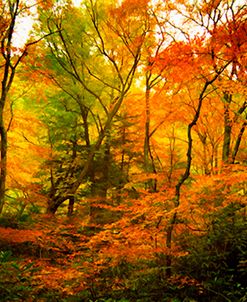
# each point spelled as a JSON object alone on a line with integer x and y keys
{"x": 218, "y": 258}
{"x": 13, "y": 220}
{"x": 9, "y": 220}
{"x": 94, "y": 120}
{"x": 16, "y": 278}
{"x": 5, "y": 256}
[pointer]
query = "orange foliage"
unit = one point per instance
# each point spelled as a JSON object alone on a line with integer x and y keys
{"x": 14, "y": 236}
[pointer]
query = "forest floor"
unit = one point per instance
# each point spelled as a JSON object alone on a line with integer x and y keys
{"x": 43, "y": 259}
{"x": 57, "y": 259}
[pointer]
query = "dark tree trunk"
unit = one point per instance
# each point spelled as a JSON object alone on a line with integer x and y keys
{"x": 227, "y": 129}
{"x": 238, "y": 141}
{"x": 71, "y": 206}
{"x": 9, "y": 67}
{"x": 52, "y": 209}
{"x": 3, "y": 158}
{"x": 54, "y": 203}
{"x": 184, "y": 177}
{"x": 149, "y": 165}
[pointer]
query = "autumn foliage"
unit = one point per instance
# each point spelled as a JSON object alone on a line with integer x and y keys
{"x": 123, "y": 151}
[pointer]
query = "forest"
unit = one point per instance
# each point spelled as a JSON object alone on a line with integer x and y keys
{"x": 123, "y": 150}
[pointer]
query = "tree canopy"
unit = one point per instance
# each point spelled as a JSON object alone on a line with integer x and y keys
{"x": 123, "y": 150}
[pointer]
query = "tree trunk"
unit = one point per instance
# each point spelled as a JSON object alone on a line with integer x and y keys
{"x": 3, "y": 157}
{"x": 238, "y": 141}
{"x": 52, "y": 209}
{"x": 227, "y": 129}
{"x": 149, "y": 165}
{"x": 54, "y": 203}
{"x": 203, "y": 139}
{"x": 71, "y": 206}
{"x": 147, "y": 131}
{"x": 184, "y": 177}
{"x": 100, "y": 187}
{"x": 216, "y": 159}
{"x": 7, "y": 80}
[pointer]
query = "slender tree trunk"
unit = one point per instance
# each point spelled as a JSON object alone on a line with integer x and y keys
{"x": 183, "y": 178}
{"x": 3, "y": 158}
{"x": 71, "y": 206}
{"x": 171, "y": 159}
{"x": 7, "y": 80}
{"x": 147, "y": 129}
{"x": 238, "y": 141}
{"x": 203, "y": 139}
{"x": 149, "y": 165}
{"x": 216, "y": 165}
{"x": 227, "y": 129}
{"x": 123, "y": 150}
{"x": 3, "y": 134}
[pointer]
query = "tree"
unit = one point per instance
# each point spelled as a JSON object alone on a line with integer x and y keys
{"x": 114, "y": 40}
{"x": 153, "y": 77}
{"x": 24, "y": 132}
{"x": 11, "y": 59}
{"x": 197, "y": 56}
